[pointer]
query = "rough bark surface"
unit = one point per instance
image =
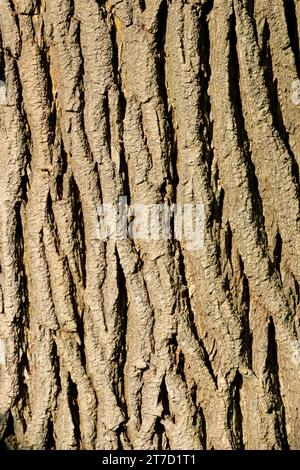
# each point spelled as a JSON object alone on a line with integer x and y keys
{"x": 132, "y": 345}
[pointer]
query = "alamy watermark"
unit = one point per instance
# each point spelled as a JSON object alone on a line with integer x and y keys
{"x": 152, "y": 222}
{"x": 2, "y": 352}
{"x": 2, "y": 92}
{"x": 296, "y": 92}
{"x": 296, "y": 352}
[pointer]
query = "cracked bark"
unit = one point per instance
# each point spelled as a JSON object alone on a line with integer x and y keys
{"x": 133, "y": 345}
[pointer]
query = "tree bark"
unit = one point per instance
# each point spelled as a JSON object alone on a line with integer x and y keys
{"x": 132, "y": 344}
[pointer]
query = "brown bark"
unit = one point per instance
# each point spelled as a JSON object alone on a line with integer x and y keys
{"x": 128, "y": 344}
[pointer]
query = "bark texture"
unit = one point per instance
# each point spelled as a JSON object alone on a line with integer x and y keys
{"x": 133, "y": 345}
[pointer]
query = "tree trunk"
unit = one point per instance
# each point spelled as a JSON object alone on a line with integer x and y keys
{"x": 124, "y": 342}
